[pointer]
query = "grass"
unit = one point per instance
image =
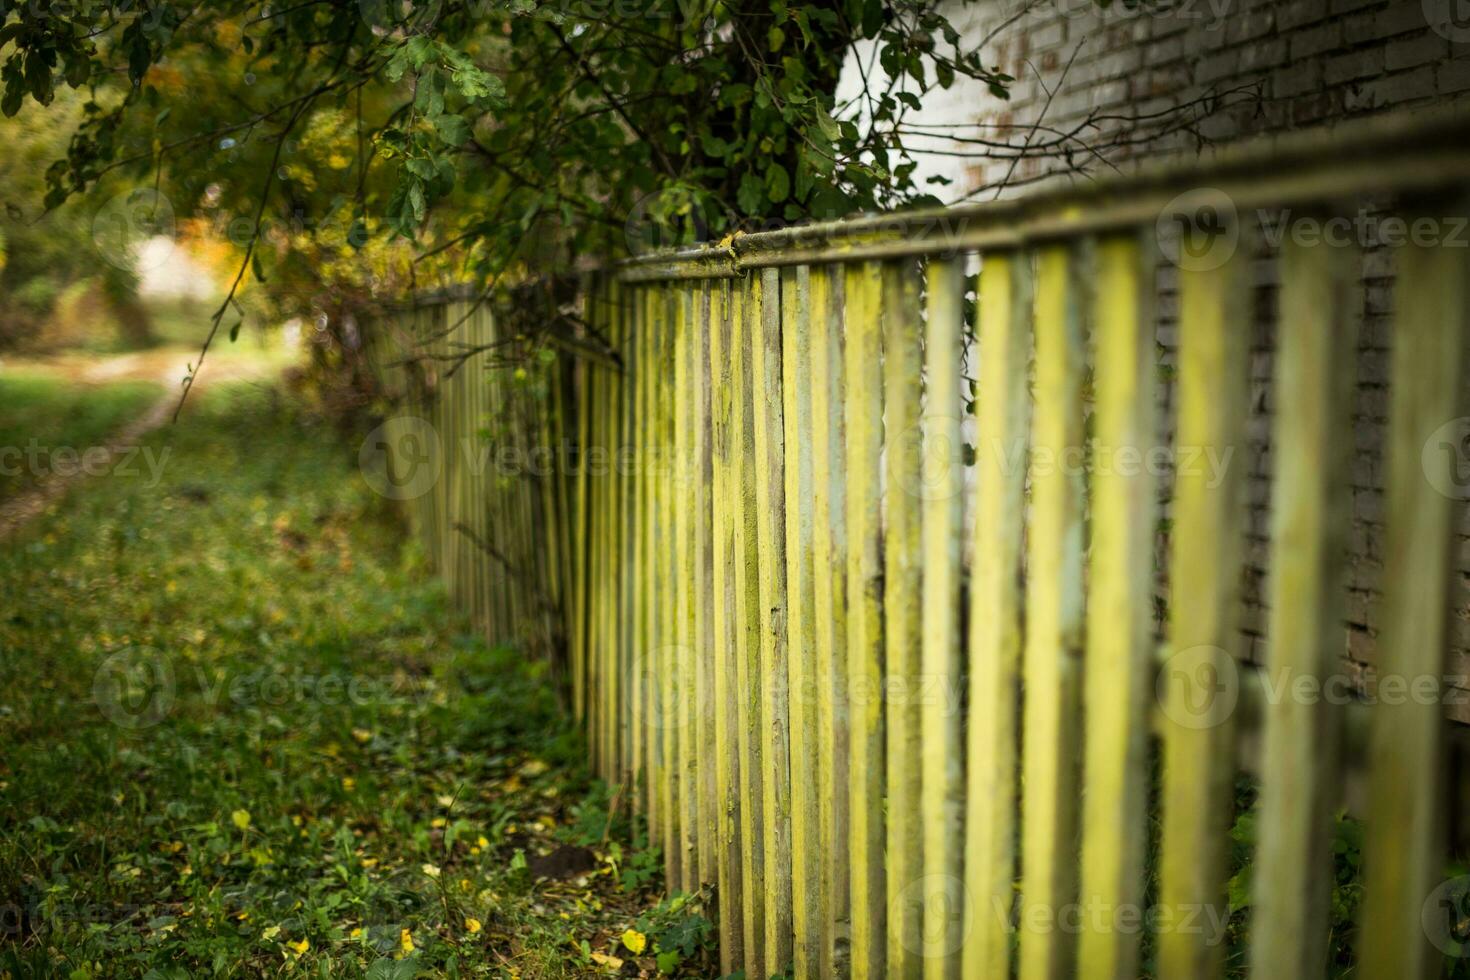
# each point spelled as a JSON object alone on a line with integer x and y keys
{"x": 42, "y": 414}
{"x": 242, "y": 734}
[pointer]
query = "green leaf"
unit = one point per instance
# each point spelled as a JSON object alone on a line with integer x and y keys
{"x": 453, "y": 130}
{"x": 429, "y": 98}
{"x": 751, "y": 194}
{"x": 714, "y": 146}
{"x": 778, "y": 183}
{"x": 828, "y": 125}
{"x": 416, "y": 200}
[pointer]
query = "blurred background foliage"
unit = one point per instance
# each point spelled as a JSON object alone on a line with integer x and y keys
{"x": 325, "y": 157}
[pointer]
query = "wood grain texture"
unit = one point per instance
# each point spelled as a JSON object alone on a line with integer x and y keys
{"x": 1403, "y": 854}
{"x": 995, "y": 615}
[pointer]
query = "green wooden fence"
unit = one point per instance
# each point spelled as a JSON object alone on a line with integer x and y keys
{"x": 898, "y": 695}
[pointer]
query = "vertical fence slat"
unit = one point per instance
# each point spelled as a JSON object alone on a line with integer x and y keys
{"x": 504, "y": 586}
{"x": 664, "y": 662}
{"x": 650, "y": 677}
{"x": 807, "y": 857}
{"x": 725, "y": 512}
{"x": 499, "y": 612}
{"x": 548, "y": 535}
{"x": 640, "y": 523}
{"x": 744, "y": 319}
{"x": 682, "y": 642}
{"x": 510, "y": 585}
{"x": 1403, "y": 854}
{"x": 864, "y": 416}
{"x": 902, "y": 616}
{"x": 1309, "y": 534}
{"x": 829, "y": 596}
{"x": 481, "y": 516}
{"x": 594, "y": 469}
{"x": 614, "y": 615}
{"x": 1120, "y": 663}
{"x": 599, "y": 627}
{"x": 995, "y": 623}
{"x": 1201, "y": 667}
{"x": 1052, "y": 653}
{"x": 582, "y": 544}
{"x": 770, "y": 510}
{"x": 625, "y": 502}
{"x": 704, "y": 588}
{"x": 561, "y": 474}
{"x": 941, "y": 485}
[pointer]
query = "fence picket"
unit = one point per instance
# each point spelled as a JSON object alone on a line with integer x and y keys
{"x": 807, "y": 856}
{"x": 593, "y": 579}
{"x": 622, "y": 506}
{"x": 705, "y": 595}
{"x": 1403, "y": 850}
{"x": 684, "y": 509}
{"x": 829, "y": 595}
{"x": 995, "y": 624}
{"x": 768, "y": 454}
{"x": 642, "y": 791}
{"x": 664, "y": 661}
{"x": 744, "y": 319}
{"x": 582, "y": 543}
{"x": 614, "y": 608}
{"x": 1119, "y": 657}
{"x": 941, "y": 485}
{"x": 1309, "y": 533}
{"x": 902, "y": 608}
{"x": 1200, "y": 675}
{"x": 1050, "y": 658}
{"x": 864, "y": 414}
{"x": 725, "y": 513}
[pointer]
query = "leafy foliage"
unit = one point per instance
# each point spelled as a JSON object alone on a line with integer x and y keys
{"x": 495, "y": 135}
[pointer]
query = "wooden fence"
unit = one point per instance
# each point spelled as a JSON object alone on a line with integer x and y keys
{"x": 851, "y": 551}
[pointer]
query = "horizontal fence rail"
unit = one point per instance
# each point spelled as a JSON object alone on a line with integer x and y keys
{"x": 869, "y": 601}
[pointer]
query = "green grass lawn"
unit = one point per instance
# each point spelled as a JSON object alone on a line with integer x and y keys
{"x": 42, "y": 414}
{"x": 242, "y": 734}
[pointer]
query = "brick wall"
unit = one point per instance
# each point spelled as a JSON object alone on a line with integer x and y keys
{"x": 1136, "y": 76}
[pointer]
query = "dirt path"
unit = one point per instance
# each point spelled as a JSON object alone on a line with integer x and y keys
{"x": 19, "y": 510}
